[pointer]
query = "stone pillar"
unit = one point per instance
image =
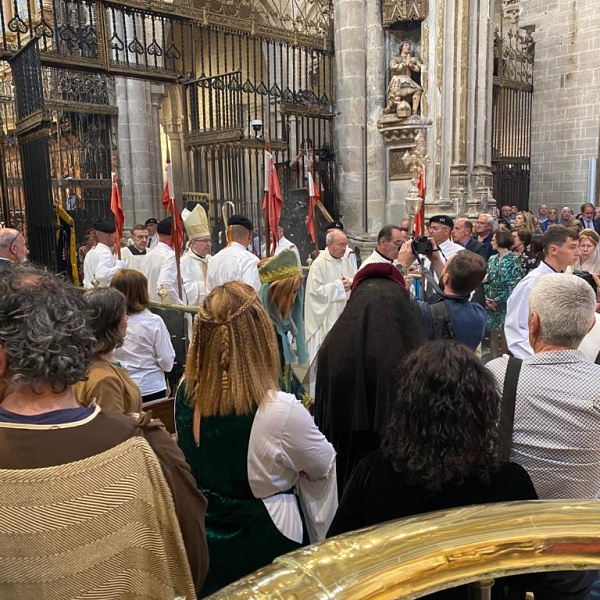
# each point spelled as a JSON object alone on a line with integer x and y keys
{"x": 480, "y": 103}
{"x": 378, "y": 206}
{"x": 140, "y": 160}
{"x": 460, "y": 43}
{"x": 350, "y": 93}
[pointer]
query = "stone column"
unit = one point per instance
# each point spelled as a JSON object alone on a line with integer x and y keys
{"x": 480, "y": 107}
{"x": 140, "y": 163}
{"x": 460, "y": 42}
{"x": 350, "y": 88}
{"x": 378, "y": 206}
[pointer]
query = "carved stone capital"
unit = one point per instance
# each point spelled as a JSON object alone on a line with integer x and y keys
{"x": 403, "y": 10}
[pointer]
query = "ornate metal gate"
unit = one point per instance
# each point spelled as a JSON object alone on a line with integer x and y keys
{"x": 233, "y": 63}
{"x": 511, "y": 116}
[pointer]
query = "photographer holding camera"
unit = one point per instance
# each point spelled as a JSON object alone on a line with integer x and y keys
{"x": 450, "y": 314}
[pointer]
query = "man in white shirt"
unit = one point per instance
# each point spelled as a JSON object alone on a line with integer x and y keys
{"x": 133, "y": 254}
{"x": 194, "y": 262}
{"x": 327, "y": 290}
{"x": 151, "y": 225}
{"x": 284, "y": 244}
{"x": 440, "y": 227}
{"x": 100, "y": 263}
{"x": 234, "y": 262}
{"x": 160, "y": 267}
{"x": 389, "y": 242}
{"x": 561, "y": 250}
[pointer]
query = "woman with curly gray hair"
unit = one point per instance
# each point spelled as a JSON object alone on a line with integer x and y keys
{"x": 71, "y": 475}
{"x": 108, "y": 384}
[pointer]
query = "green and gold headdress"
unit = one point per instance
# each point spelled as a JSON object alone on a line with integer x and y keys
{"x": 280, "y": 266}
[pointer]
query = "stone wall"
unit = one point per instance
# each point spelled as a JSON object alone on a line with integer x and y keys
{"x": 566, "y": 101}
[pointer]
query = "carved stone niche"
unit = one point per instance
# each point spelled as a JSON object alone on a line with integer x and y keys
{"x": 394, "y": 11}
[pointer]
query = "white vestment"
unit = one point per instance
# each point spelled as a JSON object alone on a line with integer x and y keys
{"x": 132, "y": 261}
{"x": 325, "y": 297}
{"x": 233, "y": 263}
{"x": 100, "y": 263}
{"x": 376, "y": 258}
{"x": 193, "y": 274}
{"x": 160, "y": 268}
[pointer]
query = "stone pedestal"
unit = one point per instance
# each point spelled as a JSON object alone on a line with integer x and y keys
{"x": 400, "y": 137}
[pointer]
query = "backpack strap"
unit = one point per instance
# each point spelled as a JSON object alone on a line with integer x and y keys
{"x": 507, "y": 407}
{"x": 441, "y": 321}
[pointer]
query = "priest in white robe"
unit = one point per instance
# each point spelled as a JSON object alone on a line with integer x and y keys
{"x": 235, "y": 262}
{"x": 134, "y": 254}
{"x": 194, "y": 262}
{"x": 389, "y": 242}
{"x": 160, "y": 267}
{"x": 327, "y": 290}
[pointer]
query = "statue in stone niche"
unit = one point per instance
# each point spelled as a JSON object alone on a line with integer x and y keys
{"x": 404, "y": 93}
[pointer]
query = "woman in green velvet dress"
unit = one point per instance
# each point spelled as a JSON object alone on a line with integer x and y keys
{"x": 245, "y": 440}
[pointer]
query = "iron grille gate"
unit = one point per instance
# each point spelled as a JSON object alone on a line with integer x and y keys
{"x": 32, "y": 131}
{"x": 256, "y": 90}
{"x": 511, "y": 117}
{"x": 230, "y": 62}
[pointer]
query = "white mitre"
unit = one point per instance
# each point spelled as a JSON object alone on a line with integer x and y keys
{"x": 196, "y": 223}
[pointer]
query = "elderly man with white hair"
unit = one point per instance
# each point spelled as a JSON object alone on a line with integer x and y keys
{"x": 484, "y": 232}
{"x": 556, "y": 434}
{"x": 327, "y": 290}
{"x": 555, "y": 430}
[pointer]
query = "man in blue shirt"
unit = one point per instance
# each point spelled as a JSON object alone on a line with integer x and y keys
{"x": 459, "y": 318}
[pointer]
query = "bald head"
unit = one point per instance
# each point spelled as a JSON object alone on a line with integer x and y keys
{"x": 13, "y": 246}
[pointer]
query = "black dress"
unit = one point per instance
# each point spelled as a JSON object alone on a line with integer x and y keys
{"x": 377, "y": 493}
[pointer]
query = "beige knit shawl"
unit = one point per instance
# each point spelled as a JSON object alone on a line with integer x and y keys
{"x": 99, "y": 528}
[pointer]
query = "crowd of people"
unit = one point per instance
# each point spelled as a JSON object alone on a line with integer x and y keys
{"x": 398, "y": 415}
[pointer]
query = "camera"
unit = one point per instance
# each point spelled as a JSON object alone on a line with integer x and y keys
{"x": 587, "y": 277}
{"x": 421, "y": 245}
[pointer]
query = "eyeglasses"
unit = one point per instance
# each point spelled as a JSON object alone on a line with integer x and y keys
{"x": 14, "y": 239}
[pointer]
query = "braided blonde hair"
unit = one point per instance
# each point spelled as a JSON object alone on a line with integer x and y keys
{"x": 233, "y": 361}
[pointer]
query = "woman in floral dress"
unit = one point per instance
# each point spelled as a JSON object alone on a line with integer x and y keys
{"x": 505, "y": 270}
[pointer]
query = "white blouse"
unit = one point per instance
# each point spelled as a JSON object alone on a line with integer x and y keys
{"x": 147, "y": 352}
{"x": 284, "y": 441}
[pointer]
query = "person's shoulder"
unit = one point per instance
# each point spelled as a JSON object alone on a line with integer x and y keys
{"x": 478, "y": 309}
{"x": 497, "y": 366}
{"x": 514, "y": 481}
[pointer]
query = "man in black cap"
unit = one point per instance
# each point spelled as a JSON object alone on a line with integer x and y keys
{"x": 152, "y": 224}
{"x": 440, "y": 228}
{"x": 160, "y": 266}
{"x": 234, "y": 262}
{"x": 100, "y": 263}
